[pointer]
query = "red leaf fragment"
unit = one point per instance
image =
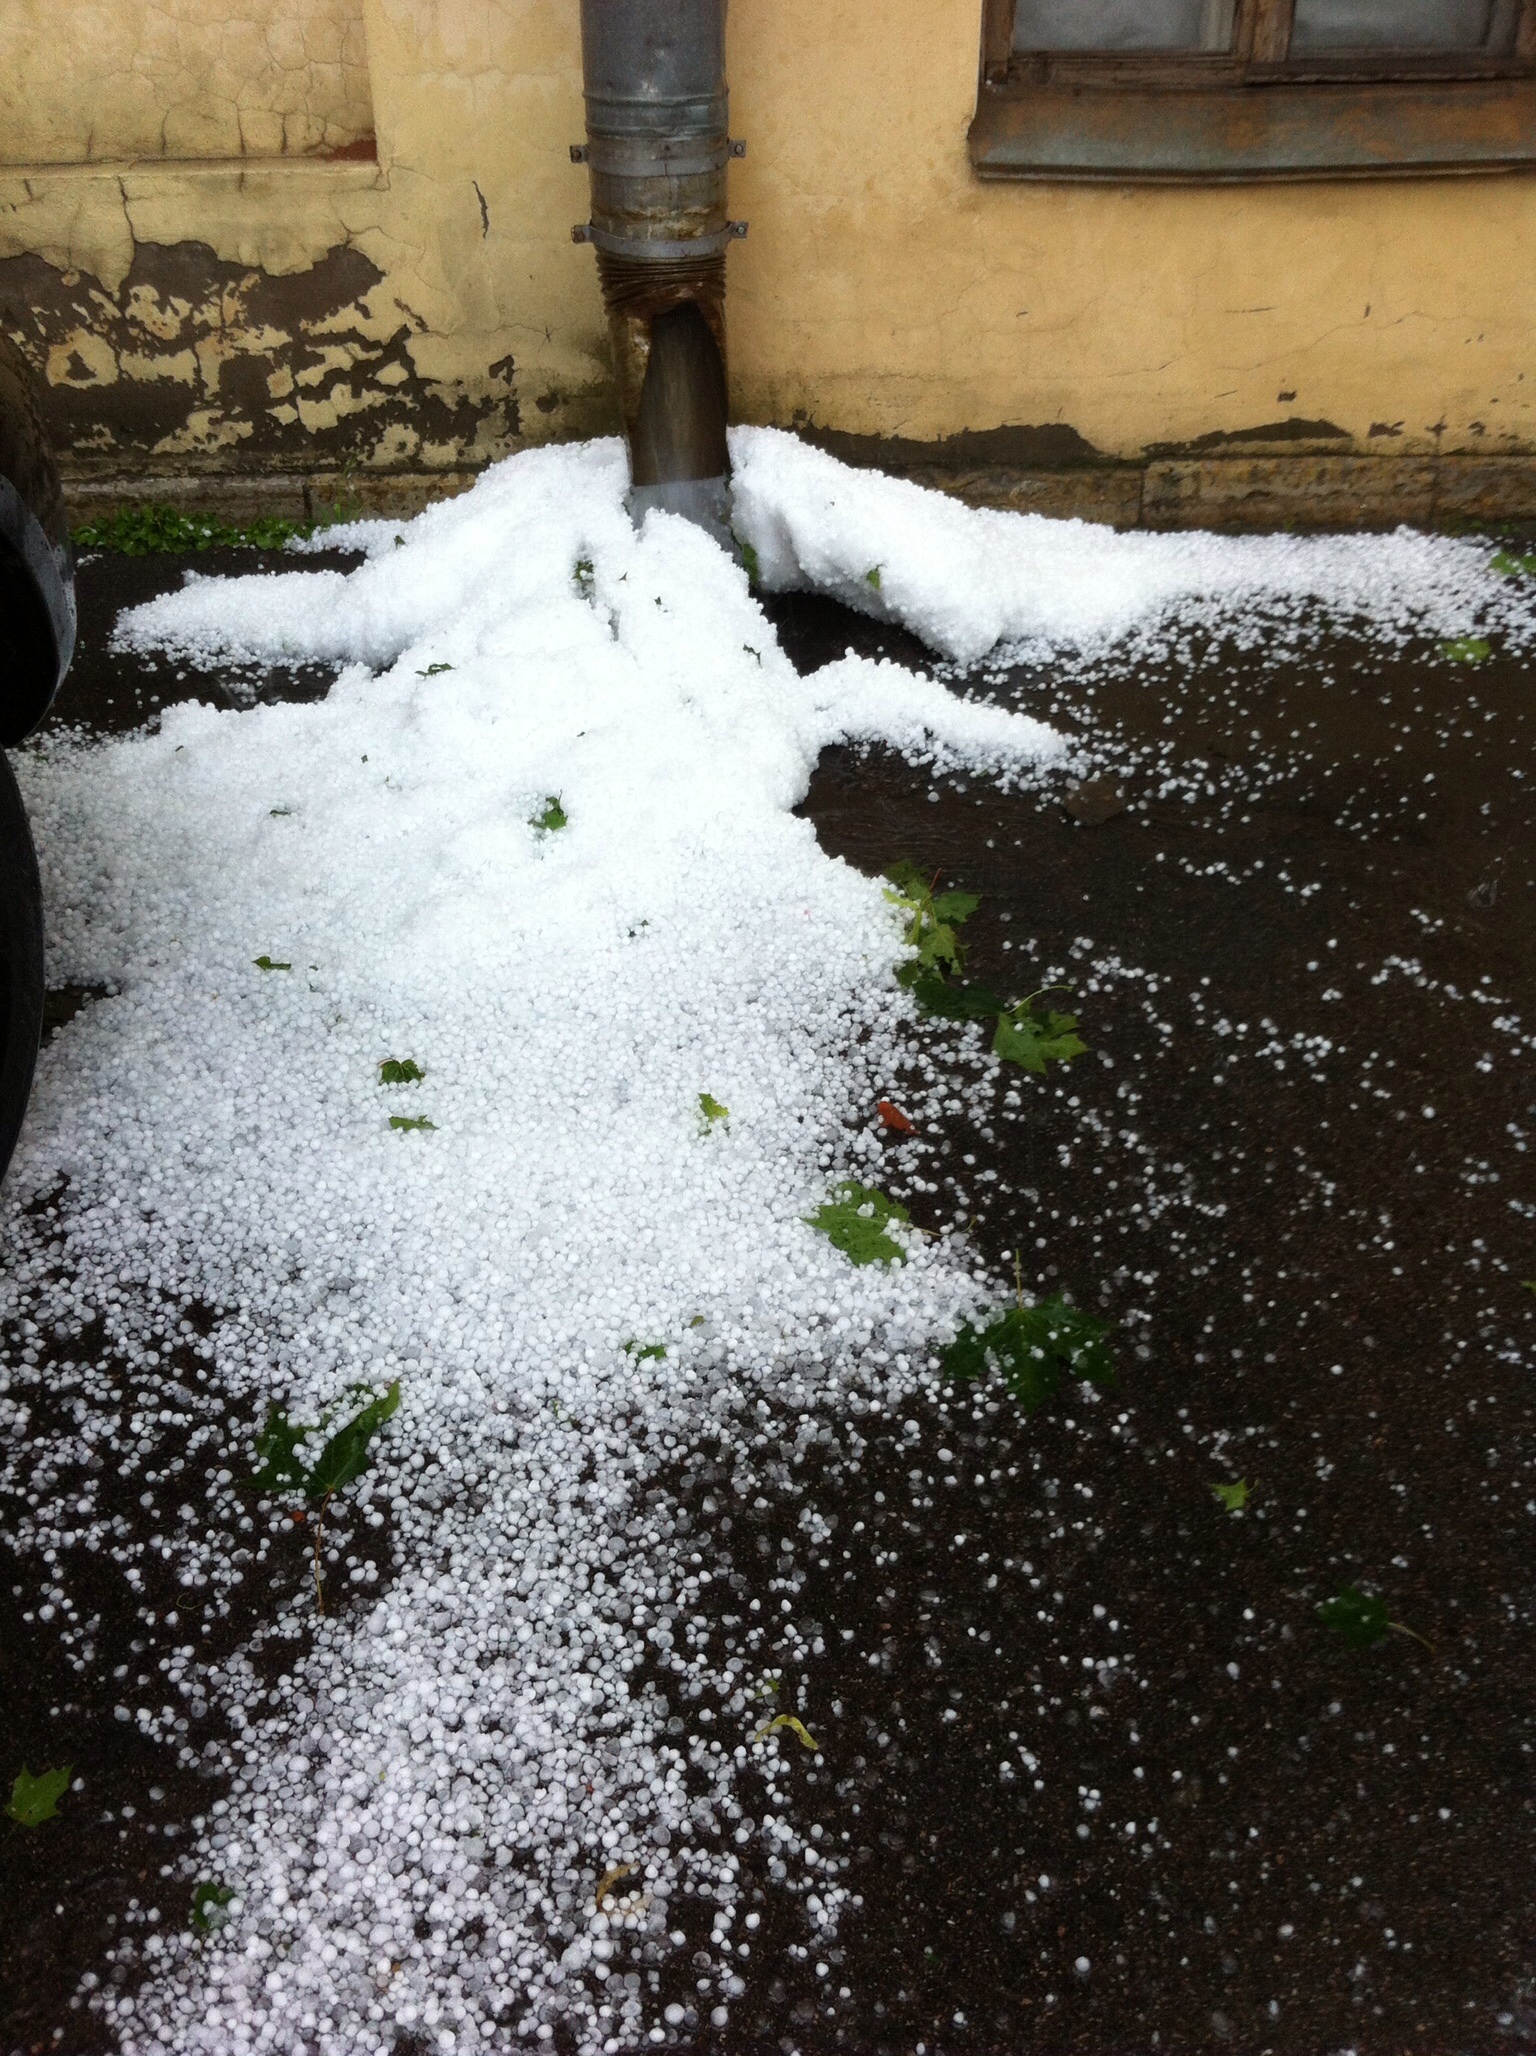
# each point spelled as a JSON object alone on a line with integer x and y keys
{"x": 893, "y": 1117}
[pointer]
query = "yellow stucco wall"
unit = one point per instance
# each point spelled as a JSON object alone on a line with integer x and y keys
{"x": 429, "y": 308}
{"x": 180, "y": 78}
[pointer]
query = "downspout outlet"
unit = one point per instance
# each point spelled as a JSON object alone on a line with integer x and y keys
{"x": 657, "y": 149}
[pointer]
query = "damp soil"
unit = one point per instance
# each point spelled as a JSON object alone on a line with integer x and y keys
{"x": 1101, "y": 1780}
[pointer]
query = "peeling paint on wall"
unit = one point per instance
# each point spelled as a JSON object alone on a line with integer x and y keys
{"x": 194, "y": 358}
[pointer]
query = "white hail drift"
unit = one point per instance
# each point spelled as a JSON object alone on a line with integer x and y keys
{"x": 470, "y": 1752}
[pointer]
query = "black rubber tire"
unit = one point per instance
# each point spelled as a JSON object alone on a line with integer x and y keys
{"x": 21, "y": 962}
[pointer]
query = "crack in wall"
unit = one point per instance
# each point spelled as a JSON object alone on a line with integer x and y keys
{"x": 155, "y": 78}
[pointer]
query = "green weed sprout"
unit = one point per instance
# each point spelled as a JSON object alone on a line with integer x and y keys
{"x": 343, "y": 1458}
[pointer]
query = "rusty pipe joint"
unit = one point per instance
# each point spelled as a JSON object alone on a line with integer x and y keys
{"x": 656, "y": 152}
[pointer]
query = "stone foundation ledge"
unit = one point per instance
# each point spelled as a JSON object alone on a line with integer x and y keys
{"x": 1232, "y": 494}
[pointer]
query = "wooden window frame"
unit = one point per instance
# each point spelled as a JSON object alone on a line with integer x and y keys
{"x": 1252, "y": 112}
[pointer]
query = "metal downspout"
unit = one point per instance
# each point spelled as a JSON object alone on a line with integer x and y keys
{"x": 657, "y": 148}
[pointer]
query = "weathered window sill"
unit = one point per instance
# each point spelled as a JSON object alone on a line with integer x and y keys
{"x": 1246, "y": 133}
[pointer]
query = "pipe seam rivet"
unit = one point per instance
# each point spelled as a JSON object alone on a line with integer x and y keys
{"x": 578, "y": 153}
{"x": 582, "y": 232}
{"x": 738, "y": 149}
{"x": 736, "y": 228}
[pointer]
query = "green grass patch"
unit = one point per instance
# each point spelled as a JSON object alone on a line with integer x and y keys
{"x": 146, "y": 531}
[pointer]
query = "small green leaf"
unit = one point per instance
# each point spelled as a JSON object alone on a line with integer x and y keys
{"x": 1513, "y": 567}
{"x": 909, "y": 881}
{"x": 855, "y": 1222}
{"x": 712, "y": 1110}
{"x": 434, "y": 671}
{"x": 277, "y": 1449}
{"x": 400, "y": 1071}
{"x": 345, "y": 1455}
{"x": 408, "y": 1123}
{"x": 208, "y": 1904}
{"x": 1529, "y": 1284}
{"x": 554, "y": 815}
{"x": 752, "y": 652}
{"x": 1361, "y": 1620}
{"x": 796, "y": 1727}
{"x": 958, "y": 1002}
{"x": 750, "y": 563}
{"x": 931, "y": 921}
{"x": 872, "y": 577}
{"x": 266, "y": 964}
{"x": 1034, "y": 1040}
{"x": 956, "y": 906}
{"x": 1034, "y": 1347}
{"x": 1466, "y": 649}
{"x": 1233, "y": 1497}
{"x": 644, "y": 1352}
{"x": 36, "y": 1799}
{"x": 279, "y": 813}
{"x": 584, "y": 577}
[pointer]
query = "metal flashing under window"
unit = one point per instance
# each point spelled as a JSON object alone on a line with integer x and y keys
{"x": 1235, "y": 90}
{"x": 1235, "y": 137}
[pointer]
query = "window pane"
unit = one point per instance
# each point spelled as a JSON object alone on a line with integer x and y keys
{"x": 1323, "y": 25}
{"x": 1123, "y": 25}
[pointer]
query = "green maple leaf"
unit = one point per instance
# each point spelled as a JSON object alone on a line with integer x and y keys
{"x": 931, "y": 920}
{"x": 400, "y": 1071}
{"x": 277, "y": 1452}
{"x": 712, "y": 1110}
{"x": 554, "y": 815}
{"x": 1466, "y": 649}
{"x": 958, "y": 1002}
{"x": 407, "y": 1123}
{"x": 956, "y": 906}
{"x": 1034, "y": 1347}
{"x": 265, "y": 963}
{"x": 345, "y": 1455}
{"x": 1034, "y": 1040}
{"x": 908, "y": 880}
{"x": 855, "y": 1222}
{"x": 208, "y": 1904}
{"x": 36, "y": 1799}
{"x": 1360, "y": 1619}
{"x": 1233, "y": 1497}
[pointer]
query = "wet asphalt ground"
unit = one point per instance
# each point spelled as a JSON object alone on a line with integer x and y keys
{"x": 1103, "y": 1781}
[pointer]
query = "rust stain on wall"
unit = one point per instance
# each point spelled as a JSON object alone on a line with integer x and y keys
{"x": 199, "y": 363}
